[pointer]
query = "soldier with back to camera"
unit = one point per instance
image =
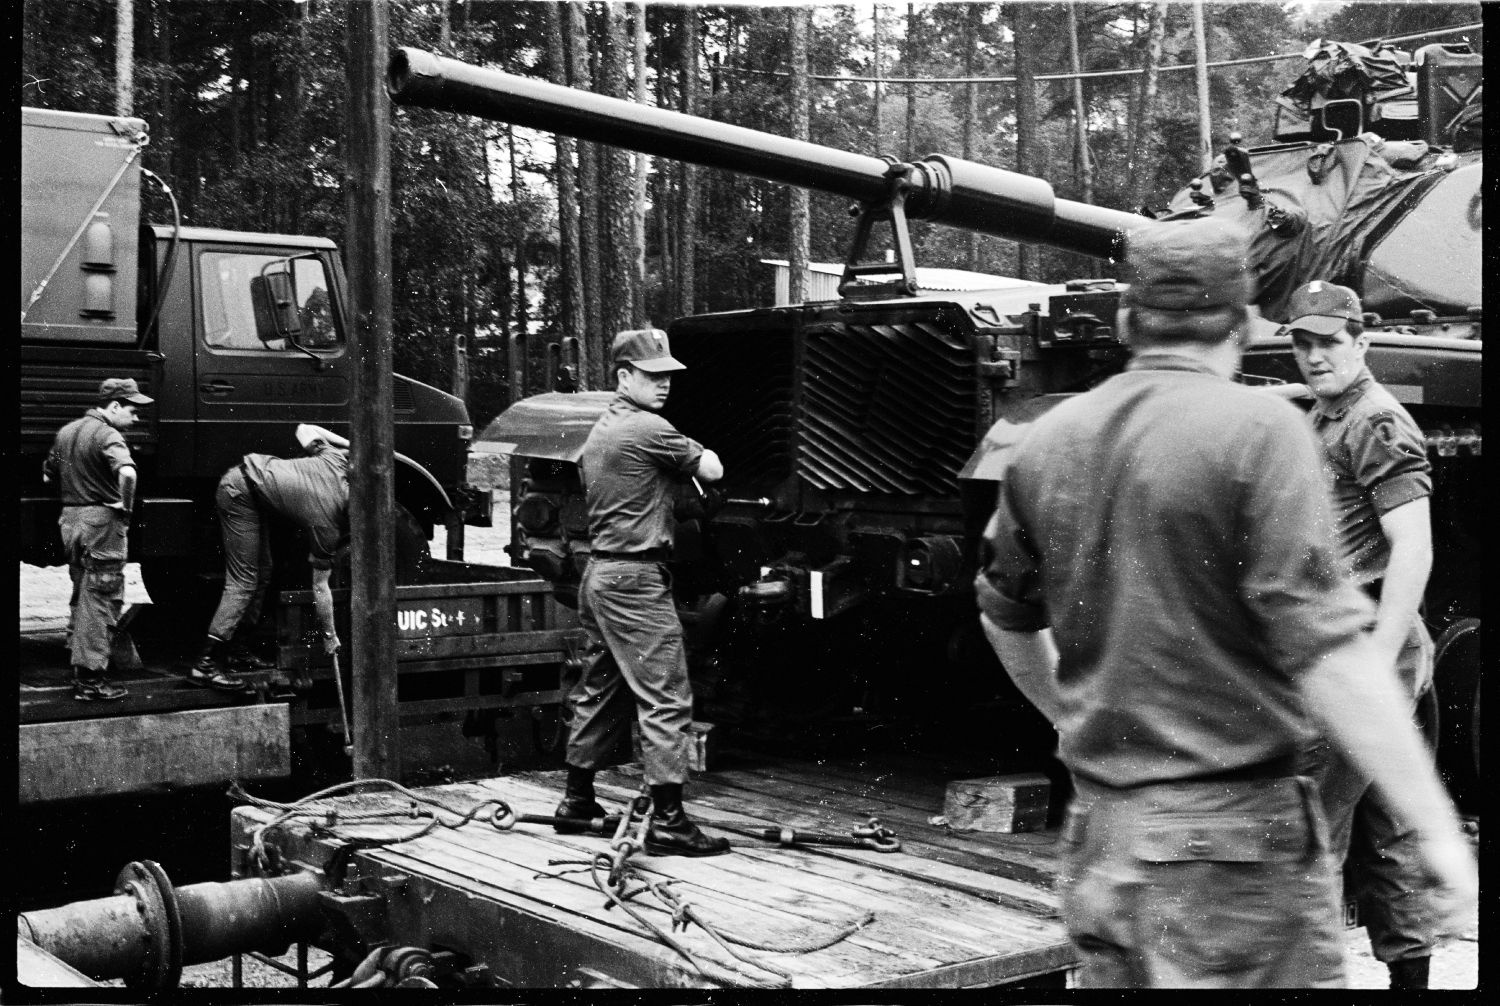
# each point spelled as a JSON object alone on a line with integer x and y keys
{"x": 1163, "y": 585}
{"x": 635, "y": 665}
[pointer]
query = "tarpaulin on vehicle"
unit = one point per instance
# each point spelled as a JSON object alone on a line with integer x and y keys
{"x": 1343, "y": 203}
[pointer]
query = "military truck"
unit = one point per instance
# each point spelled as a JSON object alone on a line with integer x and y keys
{"x": 237, "y": 336}
{"x": 863, "y": 439}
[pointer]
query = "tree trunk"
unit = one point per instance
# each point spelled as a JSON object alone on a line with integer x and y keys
{"x": 1205, "y": 114}
{"x": 1142, "y": 176}
{"x": 570, "y": 266}
{"x": 124, "y": 57}
{"x": 1023, "y": 30}
{"x": 1083, "y": 165}
{"x": 518, "y": 240}
{"x": 910, "y": 61}
{"x": 617, "y": 256}
{"x": 664, "y": 191}
{"x": 801, "y": 27}
{"x": 971, "y": 115}
{"x": 588, "y": 206}
{"x": 877, "y": 127}
{"x": 638, "y": 201}
{"x": 165, "y": 129}
{"x": 445, "y": 27}
{"x": 687, "y": 219}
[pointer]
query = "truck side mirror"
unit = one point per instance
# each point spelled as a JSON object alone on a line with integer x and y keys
{"x": 281, "y": 305}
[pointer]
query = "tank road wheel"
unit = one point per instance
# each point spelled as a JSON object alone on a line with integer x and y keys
{"x": 1456, "y": 680}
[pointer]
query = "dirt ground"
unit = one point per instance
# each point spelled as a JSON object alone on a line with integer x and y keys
{"x": 44, "y": 602}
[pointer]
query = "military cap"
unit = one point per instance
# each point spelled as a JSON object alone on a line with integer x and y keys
{"x": 1323, "y": 308}
{"x": 646, "y": 348}
{"x": 123, "y": 389}
{"x": 1189, "y": 265}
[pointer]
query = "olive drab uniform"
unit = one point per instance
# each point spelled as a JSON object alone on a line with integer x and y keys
{"x": 85, "y": 461}
{"x": 635, "y": 663}
{"x": 1375, "y": 457}
{"x": 312, "y": 492}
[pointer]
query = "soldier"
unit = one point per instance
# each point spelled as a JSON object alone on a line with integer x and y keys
{"x": 96, "y": 478}
{"x": 312, "y": 492}
{"x": 1376, "y": 458}
{"x": 1164, "y": 587}
{"x": 635, "y": 657}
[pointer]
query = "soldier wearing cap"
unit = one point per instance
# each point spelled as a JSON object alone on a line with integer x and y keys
{"x": 1376, "y": 459}
{"x": 96, "y": 478}
{"x": 635, "y": 663}
{"x": 1162, "y": 583}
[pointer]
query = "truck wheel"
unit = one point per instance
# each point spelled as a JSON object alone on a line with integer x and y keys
{"x": 412, "y": 550}
{"x": 1456, "y": 680}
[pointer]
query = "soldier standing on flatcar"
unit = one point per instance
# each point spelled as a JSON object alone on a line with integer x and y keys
{"x": 1376, "y": 459}
{"x": 635, "y": 663}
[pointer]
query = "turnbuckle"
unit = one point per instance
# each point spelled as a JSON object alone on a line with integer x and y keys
{"x": 870, "y": 835}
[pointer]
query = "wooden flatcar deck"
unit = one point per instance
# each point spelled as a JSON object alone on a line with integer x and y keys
{"x": 948, "y": 911}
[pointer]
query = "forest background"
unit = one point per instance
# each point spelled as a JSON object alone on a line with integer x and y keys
{"x": 499, "y": 231}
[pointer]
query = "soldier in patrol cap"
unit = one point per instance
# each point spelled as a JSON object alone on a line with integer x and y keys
{"x": 95, "y": 473}
{"x": 1162, "y": 583}
{"x": 634, "y": 664}
{"x": 1376, "y": 458}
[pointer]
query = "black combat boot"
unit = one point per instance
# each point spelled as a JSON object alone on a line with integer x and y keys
{"x": 211, "y": 671}
{"x": 90, "y": 686}
{"x": 1410, "y": 973}
{"x": 671, "y": 833}
{"x": 241, "y": 657}
{"x": 578, "y": 801}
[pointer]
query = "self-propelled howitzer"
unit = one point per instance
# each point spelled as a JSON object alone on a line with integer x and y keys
{"x": 863, "y": 438}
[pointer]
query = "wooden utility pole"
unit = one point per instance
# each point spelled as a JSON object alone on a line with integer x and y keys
{"x": 124, "y": 57}
{"x": 1205, "y": 127}
{"x": 371, "y": 646}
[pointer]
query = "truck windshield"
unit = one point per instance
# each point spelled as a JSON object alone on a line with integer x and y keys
{"x": 234, "y": 317}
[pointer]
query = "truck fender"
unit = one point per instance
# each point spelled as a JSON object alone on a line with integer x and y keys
{"x": 432, "y": 497}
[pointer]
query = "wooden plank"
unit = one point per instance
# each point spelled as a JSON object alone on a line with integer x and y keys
{"x": 36, "y": 968}
{"x": 128, "y": 754}
{"x": 762, "y": 892}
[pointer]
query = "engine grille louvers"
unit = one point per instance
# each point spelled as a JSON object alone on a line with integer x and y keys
{"x": 888, "y": 408}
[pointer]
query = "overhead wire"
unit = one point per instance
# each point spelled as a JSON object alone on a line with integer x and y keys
{"x": 1244, "y": 61}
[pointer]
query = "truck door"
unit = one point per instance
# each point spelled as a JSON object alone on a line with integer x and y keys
{"x": 256, "y": 379}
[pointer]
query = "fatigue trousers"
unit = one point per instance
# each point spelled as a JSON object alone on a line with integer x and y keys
{"x": 1206, "y": 885}
{"x": 94, "y": 539}
{"x": 247, "y": 555}
{"x": 634, "y": 665}
{"x": 1383, "y": 867}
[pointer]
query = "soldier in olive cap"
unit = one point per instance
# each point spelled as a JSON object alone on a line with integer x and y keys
{"x": 635, "y": 665}
{"x": 1162, "y": 584}
{"x": 1382, "y": 482}
{"x": 95, "y": 473}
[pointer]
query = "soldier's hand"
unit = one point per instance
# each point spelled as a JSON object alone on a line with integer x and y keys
{"x": 330, "y": 643}
{"x": 1455, "y": 896}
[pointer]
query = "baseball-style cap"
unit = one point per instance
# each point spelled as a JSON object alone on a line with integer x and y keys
{"x": 646, "y": 348}
{"x": 123, "y": 389}
{"x": 1196, "y": 264}
{"x": 1323, "y": 308}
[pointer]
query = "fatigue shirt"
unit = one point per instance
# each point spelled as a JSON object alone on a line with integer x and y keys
{"x": 312, "y": 491}
{"x": 86, "y": 459}
{"x": 1376, "y": 459}
{"x": 630, "y": 460}
{"x": 1173, "y": 530}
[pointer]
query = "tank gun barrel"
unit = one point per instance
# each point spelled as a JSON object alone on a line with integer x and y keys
{"x": 939, "y": 188}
